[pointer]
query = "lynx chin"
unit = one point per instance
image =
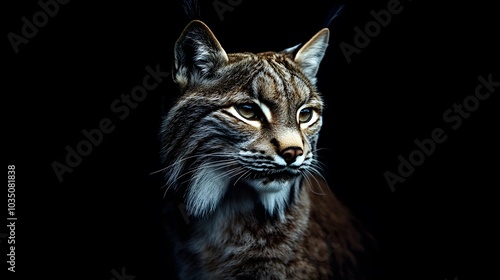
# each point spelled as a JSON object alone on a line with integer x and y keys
{"x": 239, "y": 152}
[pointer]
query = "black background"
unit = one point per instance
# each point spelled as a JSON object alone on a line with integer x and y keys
{"x": 106, "y": 214}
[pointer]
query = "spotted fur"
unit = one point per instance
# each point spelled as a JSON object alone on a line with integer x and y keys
{"x": 239, "y": 148}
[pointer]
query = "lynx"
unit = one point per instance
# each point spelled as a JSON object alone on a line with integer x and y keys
{"x": 239, "y": 150}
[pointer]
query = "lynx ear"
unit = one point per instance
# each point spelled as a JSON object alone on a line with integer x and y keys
{"x": 310, "y": 55}
{"x": 197, "y": 55}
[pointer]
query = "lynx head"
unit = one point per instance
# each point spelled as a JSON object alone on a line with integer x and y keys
{"x": 245, "y": 126}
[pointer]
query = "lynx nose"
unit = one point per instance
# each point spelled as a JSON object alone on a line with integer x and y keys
{"x": 291, "y": 153}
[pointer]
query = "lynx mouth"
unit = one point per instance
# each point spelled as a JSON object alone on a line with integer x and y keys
{"x": 282, "y": 175}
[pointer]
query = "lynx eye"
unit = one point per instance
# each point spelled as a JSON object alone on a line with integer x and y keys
{"x": 248, "y": 111}
{"x": 305, "y": 115}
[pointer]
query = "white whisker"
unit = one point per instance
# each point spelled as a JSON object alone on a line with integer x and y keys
{"x": 310, "y": 174}
{"x": 245, "y": 173}
{"x": 179, "y": 161}
{"x": 222, "y": 164}
{"x": 316, "y": 170}
{"x": 227, "y": 173}
{"x": 219, "y": 164}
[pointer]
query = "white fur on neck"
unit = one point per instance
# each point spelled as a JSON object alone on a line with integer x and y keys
{"x": 208, "y": 188}
{"x": 206, "y": 191}
{"x": 275, "y": 195}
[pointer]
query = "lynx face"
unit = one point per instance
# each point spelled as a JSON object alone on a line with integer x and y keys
{"x": 246, "y": 125}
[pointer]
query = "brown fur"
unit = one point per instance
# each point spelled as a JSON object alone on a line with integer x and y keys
{"x": 246, "y": 222}
{"x": 316, "y": 241}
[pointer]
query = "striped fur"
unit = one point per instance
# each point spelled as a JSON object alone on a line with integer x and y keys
{"x": 239, "y": 149}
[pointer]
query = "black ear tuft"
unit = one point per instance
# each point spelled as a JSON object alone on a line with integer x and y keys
{"x": 198, "y": 55}
{"x": 292, "y": 51}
